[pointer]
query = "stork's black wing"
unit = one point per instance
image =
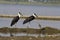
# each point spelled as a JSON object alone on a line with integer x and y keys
{"x": 14, "y": 20}
{"x": 28, "y": 19}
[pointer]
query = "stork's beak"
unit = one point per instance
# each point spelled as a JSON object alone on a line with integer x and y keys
{"x": 35, "y": 14}
{"x": 20, "y": 13}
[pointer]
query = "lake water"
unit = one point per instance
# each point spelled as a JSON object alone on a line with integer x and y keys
{"x": 13, "y": 9}
{"x": 25, "y": 34}
{"x": 18, "y": 34}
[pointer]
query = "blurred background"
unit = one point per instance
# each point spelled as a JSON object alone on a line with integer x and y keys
{"x": 27, "y": 7}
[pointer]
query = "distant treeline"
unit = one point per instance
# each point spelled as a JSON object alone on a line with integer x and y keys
{"x": 33, "y": 0}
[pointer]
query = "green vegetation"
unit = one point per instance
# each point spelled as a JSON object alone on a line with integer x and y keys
{"x": 29, "y": 30}
{"x": 52, "y": 30}
{"x": 29, "y": 38}
{"x": 49, "y": 30}
{"x": 35, "y": 2}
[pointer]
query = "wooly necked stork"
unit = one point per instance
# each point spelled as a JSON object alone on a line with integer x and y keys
{"x": 30, "y": 18}
{"x": 15, "y": 19}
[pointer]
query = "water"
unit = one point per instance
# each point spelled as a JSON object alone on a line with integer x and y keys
{"x": 18, "y": 34}
{"x": 13, "y": 9}
{"x": 25, "y": 34}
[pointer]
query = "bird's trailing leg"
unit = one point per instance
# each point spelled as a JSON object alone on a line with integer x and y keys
{"x": 29, "y": 24}
{"x": 15, "y": 25}
{"x": 10, "y": 33}
{"x": 40, "y": 29}
{"x": 28, "y": 28}
{"x": 40, "y": 26}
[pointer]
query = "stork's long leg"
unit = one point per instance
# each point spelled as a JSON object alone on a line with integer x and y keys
{"x": 15, "y": 25}
{"x": 27, "y": 25}
{"x": 10, "y": 33}
{"x": 39, "y": 25}
{"x": 27, "y": 29}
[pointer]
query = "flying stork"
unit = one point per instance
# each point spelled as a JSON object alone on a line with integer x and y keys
{"x": 30, "y": 18}
{"x": 15, "y": 19}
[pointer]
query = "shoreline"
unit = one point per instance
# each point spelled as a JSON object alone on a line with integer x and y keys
{"x": 31, "y": 3}
{"x": 29, "y": 30}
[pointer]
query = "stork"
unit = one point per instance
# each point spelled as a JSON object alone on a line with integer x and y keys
{"x": 30, "y": 18}
{"x": 15, "y": 19}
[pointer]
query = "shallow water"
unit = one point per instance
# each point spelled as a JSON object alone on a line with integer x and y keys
{"x": 18, "y": 34}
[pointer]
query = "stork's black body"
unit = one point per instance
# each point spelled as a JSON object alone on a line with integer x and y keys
{"x": 28, "y": 19}
{"x": 15, "y": 20}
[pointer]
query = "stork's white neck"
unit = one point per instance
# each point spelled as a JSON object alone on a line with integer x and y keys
{"x": 19, "y": 15}
{"x": 34, "y": 15}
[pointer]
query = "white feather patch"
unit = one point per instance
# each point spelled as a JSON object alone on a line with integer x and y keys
{"x": 34, "y": 15}
{"x": 19, "y": 15}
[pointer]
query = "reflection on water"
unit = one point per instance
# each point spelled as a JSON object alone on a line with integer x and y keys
{"x": 3, "y": 34}
{"x": 18, "y": 34}
{"x": 25, "y": 34}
